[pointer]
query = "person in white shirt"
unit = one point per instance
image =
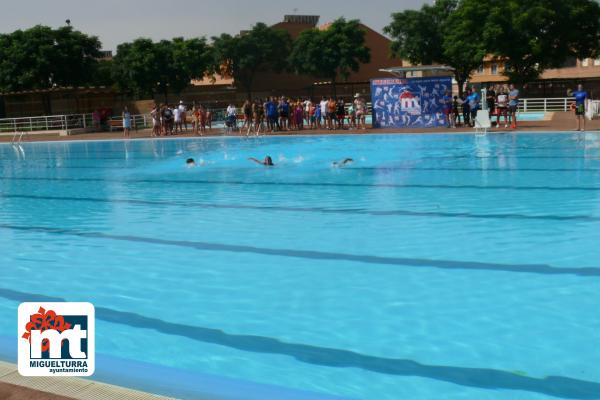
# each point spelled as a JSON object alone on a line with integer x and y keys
{"x": 231, "y": 122}
{"x": 307, "y": 104}
{"x": 323, "y": 106}
{"x": 183, "y": 110}
{"x": 178, "y": 122}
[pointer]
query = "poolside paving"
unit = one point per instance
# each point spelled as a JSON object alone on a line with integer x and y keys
{"x": 559, "y": 122}
{"x": 13, "y": 386}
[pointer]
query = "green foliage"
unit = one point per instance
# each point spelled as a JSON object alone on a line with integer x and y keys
{"x": 534, "y": 35}
{"x": 440, "y": 34}
{"x": 419, "y": 34}
{"x": 145, "y": 68}
{"x": 42, "y": 57}
{"x": 330, "y": 53}
{"x": 136, "y": 67}
{"x": 242, "y": 56}
{"x": 102, "y": 74}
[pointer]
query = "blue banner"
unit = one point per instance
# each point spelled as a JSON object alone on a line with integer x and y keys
{"x": 410, "y": 103}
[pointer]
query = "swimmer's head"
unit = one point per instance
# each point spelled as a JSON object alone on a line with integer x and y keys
{"x": 269, "y": 161}
{"x": 190, "y": 162}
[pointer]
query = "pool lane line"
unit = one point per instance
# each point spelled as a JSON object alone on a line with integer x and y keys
{"x": 582, "y": 157}
{"x": 543, "y": 269}
{"x": 494, "y": 147}
{"x": 482, "y": 378}
{"x": 308, "y": 184}
{"x": 346, "y": 169}
{"x": 323, "y": 210}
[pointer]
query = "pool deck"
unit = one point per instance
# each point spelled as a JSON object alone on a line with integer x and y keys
{"x": 559, "y": 122}
{"x": 16, "y": 387}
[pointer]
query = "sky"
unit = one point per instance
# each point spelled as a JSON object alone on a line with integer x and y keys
{"x": 118, "y": 21}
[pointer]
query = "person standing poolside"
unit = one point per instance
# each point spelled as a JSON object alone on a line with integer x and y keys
{"x": 155, "y": 114}
{"x": 331, "y": 117}
{"x": 271, "y": 111}
{"x": 178, "y": 122}
{"x": 352, "y": 116}
{"x": 202, "y": 119}
{"x": 455, "y": 112}
{"x": 474, "y": 103}
{"x": 323, "y": 108}
{"x": 247, "y": 111}
{"x": 580, "y": 96}
{"x": 299, "y": 115}
{"x": 361, "y": 111}
{"x": 312, "y": 115}
{"x": 208, "y": 113}
{"x": 307, "y": 105}
{"x": 491, "y": 102}
{"x": 502, "y": 106}
{"x": 447, "y": 107}
{"x": 126, "y": 123}
{"x": 195, "y": 119}
{"x": 231, "y": 122}
{"x": 183, "y": 110}
{"x": 341, "y": 113}
{"x": 513, "y": 105}
{"x": 168, "y": 120}
{"x": 466, "y": 111}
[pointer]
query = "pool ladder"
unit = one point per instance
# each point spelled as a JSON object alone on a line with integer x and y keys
{"x": 16, "y": 143}
{"x": 18, "y": 137}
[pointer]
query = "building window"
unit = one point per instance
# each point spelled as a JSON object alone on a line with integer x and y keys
{"x": 585, "y": 62}
{"x": 480, "y": 69}
{"x": 596, "y": 62}
{"x": 494, "y": 69}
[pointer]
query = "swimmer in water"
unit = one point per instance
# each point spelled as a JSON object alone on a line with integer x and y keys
{"x": 343, "y": 162}
{"x": 190, "y": 163}
{"x": 267, "y": 162}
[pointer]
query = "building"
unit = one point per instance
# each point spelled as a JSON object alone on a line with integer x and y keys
{"x": 553, "y": 82}
{"x": 220, "y": 90}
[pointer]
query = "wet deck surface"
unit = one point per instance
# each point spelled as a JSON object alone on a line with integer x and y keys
{"x": 560, "y": 122}
{"x": 13, "y": 386}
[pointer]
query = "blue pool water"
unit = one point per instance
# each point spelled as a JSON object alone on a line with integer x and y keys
{"x": 435, "y": 266}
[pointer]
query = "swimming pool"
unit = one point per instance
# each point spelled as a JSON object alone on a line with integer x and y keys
{"x": 434, "y": 266}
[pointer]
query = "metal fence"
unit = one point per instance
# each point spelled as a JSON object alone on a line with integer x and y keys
{"x": 50, "y": 123}
{"x": 545, "y": 104}
{"x": 45, "y": 123}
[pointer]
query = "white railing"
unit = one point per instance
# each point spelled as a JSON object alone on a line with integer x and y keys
{"x": 46, "y": 123}
{"x": 545, "y": 104}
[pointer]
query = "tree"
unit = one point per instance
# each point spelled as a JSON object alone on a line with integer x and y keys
{"x": 534, "y": 35}
{"x": 136, "y": 67}
{"x": 145, "y": 68}
{"x": 242, "y": 56}
{"x": 42, "y": 57}
{"x": 530, "y": 35}
{"x": 439, "y": 34}
{"x": 331, "y": 53}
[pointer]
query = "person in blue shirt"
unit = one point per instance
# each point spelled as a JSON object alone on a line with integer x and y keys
{"x": 473, "y": 101}
{"x": 271, "y": 109}
{"x": 513, "y": 105}
{"x": 447, "y": 107}
{"x": 580, "y": 96}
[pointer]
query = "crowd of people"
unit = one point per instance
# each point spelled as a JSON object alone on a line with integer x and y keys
{"x": 259, "y": 116}
{"x": 169, "y": 120}
{"x": 282, "y": 114}
{"x": 502, "y": 101}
